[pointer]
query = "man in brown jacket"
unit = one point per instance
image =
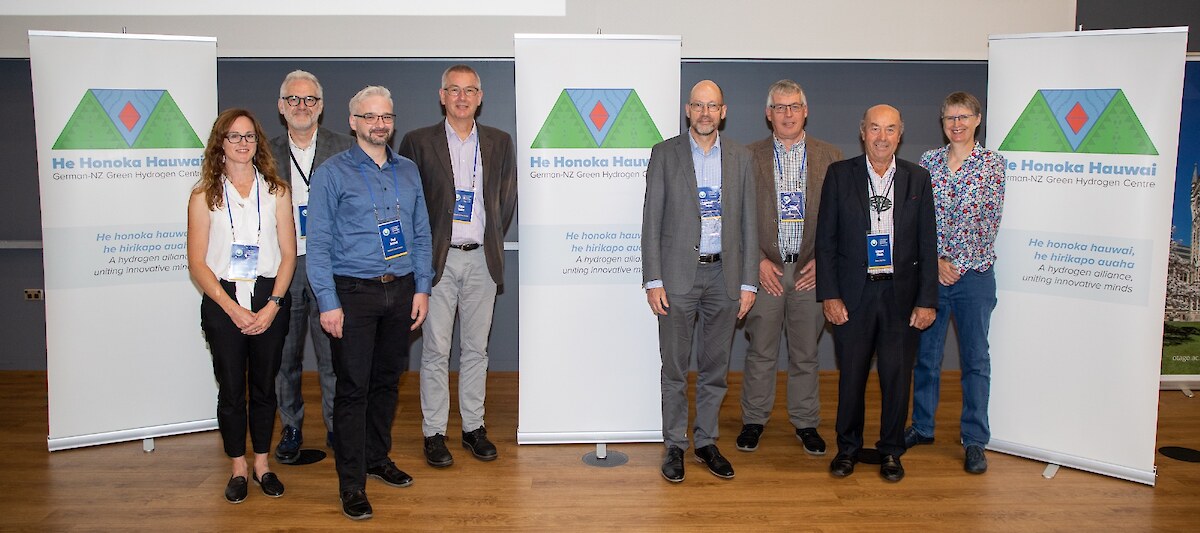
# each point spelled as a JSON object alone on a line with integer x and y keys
{"x": 789, "y": 170}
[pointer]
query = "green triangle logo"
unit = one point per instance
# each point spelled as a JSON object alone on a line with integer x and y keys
{"x": 598, "y": 118}
{"x": 1096, "y": 121}
{"x": 108, "y": 119}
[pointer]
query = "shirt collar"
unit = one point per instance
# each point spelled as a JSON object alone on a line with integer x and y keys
{"x": 360, "y": 157}
{"x": 871, "y": 169}
{"x": 696, "y": 147}
{"x": 452, "y": 136}
{"x": 799, "y": 145}
{"x": 312, "y": 142}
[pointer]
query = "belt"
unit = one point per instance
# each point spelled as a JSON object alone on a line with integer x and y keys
{"x": 466, "y": 247}
{"x": 386, "y": 278}
{"x": 791, "y": 258}
{"x": 879, "y": 277}
{"x": 709, "y": 258}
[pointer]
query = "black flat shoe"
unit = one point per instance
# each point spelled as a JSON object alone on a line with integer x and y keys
{"x": 271, "y": 486}
{"x": 355, "y": 505}
{"x": 235, "y": 490}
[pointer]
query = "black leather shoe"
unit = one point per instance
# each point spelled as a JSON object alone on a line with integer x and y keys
{"x": 813, "y": 443}
{"x": 912, "y": 438}
{"x": 716, "y": 463}
{"x": 271, "y": 486}
{"x": 478, "y": 443}
{"x": 436, "y": 453}
{"x": 288, "y": 449}
{"x": 388, "y": 473}
{"x": 235, "y": 490}
{"x": 976, "y": 461}
{"x": 891, "y": 469}
{"x": 747, "y": 440}
{"x": 672, "y": 467}
{"x": 842, "y": 465}
{"x": 355, "y": 505}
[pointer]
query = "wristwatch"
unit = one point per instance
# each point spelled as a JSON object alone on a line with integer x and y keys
{"x": 277, "y": 299}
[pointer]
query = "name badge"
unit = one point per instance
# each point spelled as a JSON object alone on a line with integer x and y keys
{"x": 791, "y": 206}
{"x": 392, "y": 239}
{"x": 464, "y": 202}
{"x": 710, "y": 202}
{"x": 302, "y": 217}
{"x": 879, "y": 253}
{"x": 243, "y": 262}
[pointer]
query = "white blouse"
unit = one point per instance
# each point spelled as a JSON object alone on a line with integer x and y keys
{"x": 244, "y": 230}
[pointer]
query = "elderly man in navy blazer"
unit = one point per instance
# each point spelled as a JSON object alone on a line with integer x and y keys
{"x": 699, "y": 263}
{"x": 877, "y": 282}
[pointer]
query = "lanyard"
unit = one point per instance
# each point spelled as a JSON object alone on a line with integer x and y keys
{"x": 371, "y": 192}
{"x": 298, "y": 170}
{"x": 229, "y": 208}
{"x": 779, "y": 164}
{"x": 880, "y": 203}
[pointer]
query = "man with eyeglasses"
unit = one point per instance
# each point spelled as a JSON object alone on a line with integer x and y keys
{"x": 297, "y": 153}
{"x": 789, "y": 168}
{"x": 470, "y": 177}
{"x": 877, "y": 283}
{"x": 700, "y": 265}
{"x": 369, "y": 262}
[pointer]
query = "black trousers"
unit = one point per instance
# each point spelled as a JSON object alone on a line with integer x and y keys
{"x": 242, "y": 362}
{"x": 877, "y": 326}
{"x": 368, "y": 361}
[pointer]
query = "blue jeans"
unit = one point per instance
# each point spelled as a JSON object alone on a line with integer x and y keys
{"x": 971, "y": 301}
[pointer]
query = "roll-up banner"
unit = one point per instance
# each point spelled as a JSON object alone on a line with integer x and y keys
{"x": 121, "y": 123}
{"x": 589, "y": 108}
{"x": 1089, "y": 124}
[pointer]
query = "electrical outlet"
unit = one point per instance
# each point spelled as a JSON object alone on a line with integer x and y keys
{"x": 34, "y": 295}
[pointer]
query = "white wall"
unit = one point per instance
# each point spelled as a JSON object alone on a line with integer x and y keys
{"x": 711, "y": 29}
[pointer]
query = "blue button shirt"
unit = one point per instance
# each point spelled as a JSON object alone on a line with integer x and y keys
{"x": 343, "y": 228}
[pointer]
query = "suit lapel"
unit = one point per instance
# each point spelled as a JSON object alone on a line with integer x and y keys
{"x": 441, "y": 147}
{"x": 901, "y": 197}
{"x": 861, "y": 189}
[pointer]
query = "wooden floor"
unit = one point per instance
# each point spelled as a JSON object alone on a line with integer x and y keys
{"x": 179, "y": 486}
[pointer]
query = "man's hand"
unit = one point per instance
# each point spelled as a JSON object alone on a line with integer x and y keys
{"x": 808, "y": 277}
{"x": 331, "y": 322}
{"x": 747, "y": 301}
{"x": 420, "y": 309}
{"x": 835, "y": 311}
{"x": 922, "y": 317}
{"x": 768, "y": 277}
{"x": 658, "y": 300}
{"x": 947, "y": 273}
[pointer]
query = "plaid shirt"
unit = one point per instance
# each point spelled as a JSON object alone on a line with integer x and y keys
{"x": 791, "y": 175}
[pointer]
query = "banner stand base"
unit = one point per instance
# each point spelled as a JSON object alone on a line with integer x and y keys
{"x": 1050, "y": 471}
{"x": 603, "y": 458}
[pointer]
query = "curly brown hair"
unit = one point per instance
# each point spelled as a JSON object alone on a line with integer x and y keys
{"x": 214, "y": 158}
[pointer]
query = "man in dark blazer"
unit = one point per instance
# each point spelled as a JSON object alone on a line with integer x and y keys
{"x": 699, "y": 261}
{"x": 469, "y": 174}
{"x": 298, "y": 153}
{"x": 789, "y": 170}
{"x": 877, "y": 281}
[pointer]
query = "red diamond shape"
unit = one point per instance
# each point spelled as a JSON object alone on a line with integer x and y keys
{"x": 599, "y": 115}
{"x": 129, "y": 116}
{"x": 1077, "y": 118}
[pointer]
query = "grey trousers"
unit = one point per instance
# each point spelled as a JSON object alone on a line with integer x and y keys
{"x": 709, "y": 304}
{"x": 467, "y": 287}
{"x": 798, "y": 314}
{"x": 306, "y": 320}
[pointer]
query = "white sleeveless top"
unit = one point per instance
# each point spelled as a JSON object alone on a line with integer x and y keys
{"x": 245, "y": 230}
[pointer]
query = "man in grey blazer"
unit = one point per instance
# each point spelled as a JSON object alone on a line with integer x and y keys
{"x": 699, "y": 264}
{"x": 298, "y": 153}
{"x": 789, "y": 168}
{"x": 469, "y": 174}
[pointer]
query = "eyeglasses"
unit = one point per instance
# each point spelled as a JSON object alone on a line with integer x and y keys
{"x": 783, "y": 108}
{"x": 455, "y": 90}
{"x": 235, "y": 138}
{"x": 712, "y": 107}
{"x": 958, "y": 118}
{"x": 293, "y": 100}
{"x": 371, "y": 118}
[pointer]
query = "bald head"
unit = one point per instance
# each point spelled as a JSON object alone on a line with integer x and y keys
{"x": 705, "y": 110}
{"x": 881, "y": 129}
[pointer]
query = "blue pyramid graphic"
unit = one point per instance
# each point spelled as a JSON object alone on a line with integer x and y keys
{"x": 1092, "y": 101}
{"x": 585, "y": 101}
{"x": 114, "y": 100}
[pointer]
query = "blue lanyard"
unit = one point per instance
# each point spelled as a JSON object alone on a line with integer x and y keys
{"x": 779, "y": 163}
{"x": 371, "y": 192}
{"x": 258, "y": 206}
